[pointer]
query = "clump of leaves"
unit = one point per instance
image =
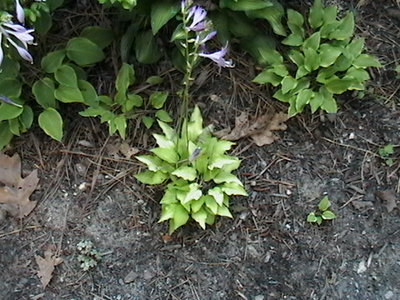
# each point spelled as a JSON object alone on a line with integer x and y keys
{"x": 88, "y": 257}
{"x": 324, "y": 60}
{"x": 197, "y": 170}
{"x": 323, "y": 212}
{"x": 385, "y": 153}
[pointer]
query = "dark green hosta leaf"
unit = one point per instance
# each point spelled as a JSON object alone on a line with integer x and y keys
{"x": 132, "y": 101}
{"x": 354, "y": 49}
{"x": 43, "y": 90}
{"x": 10, "y": 87}
{"x": 51, "y": 123}
{"x": 5, "y": 134}
{"x": 125, "y": 78}
{"x": 152, "y": 178}
{"x": 294, "y": 39}
{"x": 15, "y": 127}
{"x": 316, "y": 101}
{"x": 365, "y": 60}
{"x": 84, "y": 52}
{"x": 330, "y": 14}
{"x": 303, "y": 98}
{"x": 88, "y": 92}
{"x": 261, "y": 47}
{"x": 328, "y": 54}
{"x": 359, "y": 75}
{"x": 146, "y": 48}
{"x": 26, "y": 118}
{"x": 161, "y": 13}
{"x": 245, "y": 5}
{"x": 68, "y": 94}
{"x": 102, "y": 37}
{"x": 9, "y": 68}
{"x": 272, "y": 14}
{"x": 329, "y": 104}
{"x": 8, "y": 112}
{"x": 280, "y": 70}
{"x": 311, "y": 60}
{"x": 313, "y": 41}
{"x": 338, "y": 86}
{"x": 163, "y": 115}
{"x": 342, "y": 64}
{"x": 66, "y": 76}
{"x": 315, "y": 18}
{"x": 157, "y": 99}
{"x": 121, "y": 124}
{"x": 153, "y": 80}
{"x": 283, "y": 97}
{"x": 301, "y": 72}
{"x": 288, "y": 83}
{"x": 345, "y": 29}
{"x": 52, "y": 61}
{"x": 295, "y": 18}
{"x": 43, "y": 23}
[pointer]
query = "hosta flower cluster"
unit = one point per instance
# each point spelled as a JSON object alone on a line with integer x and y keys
{"x": 197, "y": 171}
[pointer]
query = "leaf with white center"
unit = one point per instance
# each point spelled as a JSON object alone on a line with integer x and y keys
{"x": 152, "y": 178}
{"x": 167, "y": 130}
{"x": 224, "y": 161}
{"x": 200, "y": 217}
{"x": 193, "y": 194}
{"x": 232, "y": 188}
{"x": 224, "y": 212}
{"x": 152, "y": 162}
{"x": 195, "y": 125}
{"x": 218, "y": 194}
{"x": 162, "y": 141}
{"x": 226, "y": 177}
{"x": 221, "y": 147}
{"x": 185, "y": 172}
{"x": 167, "y": 154}
{"x": 211, "y": 203}
{"x": 197, "y": 204}
{"x": 169, "y": 197}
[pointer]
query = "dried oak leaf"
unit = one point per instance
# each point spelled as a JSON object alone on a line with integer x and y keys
{"x": 15, "y": 190}
{"x": 261, "y": 130}
{"x": 46, "y": 266}
{"x": 389, "y": 199}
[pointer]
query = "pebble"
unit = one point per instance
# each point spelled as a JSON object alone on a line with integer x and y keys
{"x": 389, "y": 295}
{"x": 148, "y": 275}
{"x": 259, "y": 297}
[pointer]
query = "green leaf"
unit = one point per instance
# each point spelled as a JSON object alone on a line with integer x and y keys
{"x": 365, "y": 60}
{"x": 185, "y": 172}
{"x": 244, "y": 5}
{"x": 295, "y": 18}
{"x": 152, "y": 178}
{"x": 330, "y": 14}
{"x": 337, "y": 85}
{"x": 43, "y": 90}
{"x": 157, "y": 99}
{"x": 14, "y": 126}
{"x": 161, "y": 13}
{"x": 345, "y": 30}
{"x": 8, "y": 112}
{"x": 324, "y": 204}
{"x": 224, "y": 212}
{"x": 43, "y": 24}
{"x": 163, "y": 141}
{"x": 88, "y": 92}
{"x": 121, "y": 124}
{"x": 354, "y": 49}
{"x": 211, "y": 203}
{"x": 180, "y": 218}
{"x": 68, "y": 94}
{"x": 218, "y": 195}
{"x": 83, "y": 51}
{"x": 315, "y": 18}
{"x": 66, "y": 76}
{"x": 329, "y": 104}
{"x": 200, "y": 217}
{"x": 163, "y": 115}
{"x": 197, "y": 204}
{"x": 272, "y": 14}
{"x": 294, "y": 39}
{"x": 303, "y": 98}
{"x": 280, "y": 70}
{"x": 5, "y": 134}
{"x": 153, "y": 80}
{"x": 152, "y": 162}
{"x": 51, "y": 123}
{"x": 296, "y": 57}
{"x": 194, "y": 193}
{"x": 125, "y": 78}
{"x": 102, "y": 37}
{"x": 133, "y": 100}
{"x": 10, "y": 87}
{"x": 316, "y": 102}
{"x": 195, "y": 125}
{"x": 148, "y": 121}
{"x": 327, "y": 29}
{"x": 26, "y": 117}
{"x": 358, "y": 75}
{"x": 232, "y": 188}
{"x": 146, "y": 48}
{"x": 167, "y": 154}
{"x": 328, "y": 215}
{"x": 328, "y": 54}
{"x": 311, "y": 60}
{"x": 52, "y": 61}
{"x": 288, "y": 83}
{"x": 268, "y": 76}
{"x": 9, "y": 68}
{"x": 312, "y": 218}
{"x": 226, "y": 177}
{"x": 167, "y": 130}
{"x": 313, "y": 41}
{"x": 167, "y": 211}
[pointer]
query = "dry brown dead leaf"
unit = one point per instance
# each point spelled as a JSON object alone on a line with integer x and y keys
{"x": 389, "y": 199}
{"x": 127, "y": 150}
{"x": 15, "y": 190}
{"x": 261, "y": 129}
{"x": 47, "y": 266}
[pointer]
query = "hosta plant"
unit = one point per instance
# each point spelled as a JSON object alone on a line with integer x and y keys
{"x": 197, "y": 173}
{"x": 323, "y": 60}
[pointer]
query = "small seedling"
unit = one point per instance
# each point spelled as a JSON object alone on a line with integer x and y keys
{"x": 385, "y": 153}
{"x": 323, "y": 212}
{"x": 88, "y": 257}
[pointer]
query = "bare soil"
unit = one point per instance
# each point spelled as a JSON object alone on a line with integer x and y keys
{"x": 268, "y": 250}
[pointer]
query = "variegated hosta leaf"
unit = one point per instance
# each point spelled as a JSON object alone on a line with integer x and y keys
{"x": 223, "y": 176}
{"x": 195, "y": 125}
{"x": 218, "y": 194}
{"x": 152, "y": 162}
{"x": 185, "y": 172}
{"x": 167, "y": 130}
{"x": 169, "y": 197}
{"x": 224, "y": 211}
{"x": 226, "y": 162}
{"x": 197, "y": 204}
{"x": 180, "y": 218}
{"x": 162, "y": 141}
{"x": 150, "y": 177}
{"x": 193, "y": 194}
{"x": 200, "y": 217}
{"x": 211, "y": 203}
{"x": 167, "y": 154}
{"x": 232, "y": 188}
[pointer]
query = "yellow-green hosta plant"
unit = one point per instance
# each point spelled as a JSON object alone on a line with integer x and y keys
{"x": 197, "y": 173}
{"x": 323, "y": 60}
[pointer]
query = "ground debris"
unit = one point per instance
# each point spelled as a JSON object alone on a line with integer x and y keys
{"x": 46, "y": 266}
{"x": 389, "y": 199}
{"x": 261, "y": 129}
{"x": 15, "y": 190}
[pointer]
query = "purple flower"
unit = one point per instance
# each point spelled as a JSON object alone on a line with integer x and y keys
{"x": 218, "y": 57}
{"x": 199, "y": 14}
{"x": 20, "y": 12}
{"x": 9, "y": 101}
{"x": 20, "y": 32}
{"x": 200, "y": 40}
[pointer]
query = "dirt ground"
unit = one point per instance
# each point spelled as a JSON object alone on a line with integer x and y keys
{"x": 268, "y": 250}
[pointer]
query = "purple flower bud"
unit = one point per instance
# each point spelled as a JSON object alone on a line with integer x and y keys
{"x": 218, "y": 58}
{"x": 1, "y": 50}
{"x": 202, "y": 40}
{"x": 20, "y": 12}
{"x": 199, "y": 14}
{"x": 22, "y": 51}
{"x": 9, "y": 101}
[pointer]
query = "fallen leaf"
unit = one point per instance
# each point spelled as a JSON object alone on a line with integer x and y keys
{"x": 127, "y": 150}
{"x": 46, "y": 266}
{"x": 389, "y": 199}
{"x": 15, "y": 190}
{"x": 261, "y": 130}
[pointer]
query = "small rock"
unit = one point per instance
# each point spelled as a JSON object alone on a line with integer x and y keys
{"x": 148, "y": 275}
{"x": 132, "y": 275}
{"x": 389, "y": 295}
{"x": 361, "y": 267}
{"x": 259, "y": 297}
